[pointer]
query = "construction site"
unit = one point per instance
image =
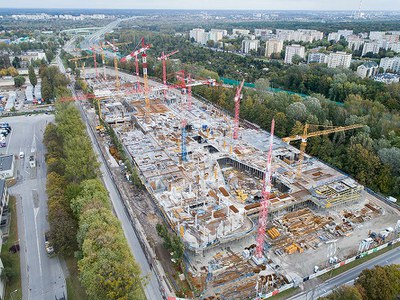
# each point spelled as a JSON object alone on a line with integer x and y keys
{"x": 254, "y": 212}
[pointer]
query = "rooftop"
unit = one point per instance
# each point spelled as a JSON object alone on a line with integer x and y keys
{"x": 6, "y": 162}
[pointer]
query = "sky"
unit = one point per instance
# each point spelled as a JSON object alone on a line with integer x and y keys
{"x": 208, "y": 4}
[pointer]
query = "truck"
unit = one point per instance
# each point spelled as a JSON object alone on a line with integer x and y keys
{"x": 391, "y": 199}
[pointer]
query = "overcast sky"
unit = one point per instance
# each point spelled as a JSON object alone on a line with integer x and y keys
{"x": 208, "y": 4}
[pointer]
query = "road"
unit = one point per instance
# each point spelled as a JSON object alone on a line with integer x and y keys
{"x": 152, "y": 289}
{"x": 348, "y": 277}
{"x": 42, "y": 277}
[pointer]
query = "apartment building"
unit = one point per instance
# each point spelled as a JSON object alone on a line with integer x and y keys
{"x": 293, "y": 50}
{"x": 339, "y": 60}
{"x": 273, "y": 46}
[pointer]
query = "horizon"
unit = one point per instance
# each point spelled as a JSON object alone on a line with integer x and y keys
{"x": 211, "y": 5}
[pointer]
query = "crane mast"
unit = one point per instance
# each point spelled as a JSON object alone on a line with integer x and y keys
{"x": 237, "y": 111}
{"x": 266, "y": 192}
{"x": 164, "y": 58}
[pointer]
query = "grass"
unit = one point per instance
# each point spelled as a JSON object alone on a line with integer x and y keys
{"x": 10, "y": 259}
{"x": 75, "y": 290}
{"x": 355, "y": 263}
{"x": 286, "y": 294}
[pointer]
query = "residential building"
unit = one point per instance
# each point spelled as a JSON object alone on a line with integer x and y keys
{"x": 355, "y": 42}
{"x": 292, "y": 50}
{"x": 376, "y": 35}
{"x": 317, "y": 57}
{"x": 345, "y": 33}
{"x": 7, "y": 166}
{"x": 248, "y": 45}
{"x": 240, "y": 32}
{"x": 284, "y": 34}
{"x": 339, "y": 59}
{"x": 387, "y": 78}
{"x": 199, "y": 35}
{"x": 300, "y": 35}
{"x": 262, "y": 32}
{"x": 4, "y": 197}
{"x": 334, "y": 36}
{"x": 371, "y": 47}
{"x": 217, "y": 34}
{"x": 392, "y": 64}
{"x": 273, "y": 46}
{"x": 368, "y": 69}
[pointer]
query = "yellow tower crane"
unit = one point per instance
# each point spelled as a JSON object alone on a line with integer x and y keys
{"x": 76, "y": 59}
{"x": 305, "y": 135}
{"x": 114, "y": 47}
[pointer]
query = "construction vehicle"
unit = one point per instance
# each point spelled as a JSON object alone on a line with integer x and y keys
{"x": 305, "y": 135}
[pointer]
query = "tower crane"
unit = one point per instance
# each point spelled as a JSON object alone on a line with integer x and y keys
{"x": 76, "y": 59}
{"x": 135, "y": 54}
{"x": 115, "y": 49}
{"x": 266, "y": 192}
{"x": 237, "y": 110}
{"x": 93, "y": 49}
{"x": 305, "y": 135}
{"x": 164, "y": 58}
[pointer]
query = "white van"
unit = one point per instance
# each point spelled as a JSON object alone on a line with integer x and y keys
{"x": 21, "y": 154}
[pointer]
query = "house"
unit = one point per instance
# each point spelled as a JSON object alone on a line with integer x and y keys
{"x": 368, "y": 69}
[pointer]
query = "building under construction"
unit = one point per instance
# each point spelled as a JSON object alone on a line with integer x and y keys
{"x": 208, "y": 185}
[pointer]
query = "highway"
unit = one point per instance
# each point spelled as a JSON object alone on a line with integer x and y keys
{"x": 348, "y": 277}
{"x": 42, "y": 277}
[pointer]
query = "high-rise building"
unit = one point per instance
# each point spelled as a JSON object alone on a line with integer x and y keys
{"x": 217, "y": 34}
{"x": 355, "y": 42}
{"x": 319, "y": 58}
{"x": 241, "y": 31}
{"x": 376, "y": 35}
{"x": 199, "y": 35}
{"x": 248, "y": 45}
{"x": 371, "y": 47}
{"x": 345, "y": 33}
{"x": 262, "y": 32}
{"x": 293, "y": 50}
{"x": 339, "y": 59}
{"x": 392, "y": 64}
{"x": 273, "y": 46}
{"x": 334, "y": 36}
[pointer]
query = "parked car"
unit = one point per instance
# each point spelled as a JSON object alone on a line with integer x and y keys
{"x": 48, "y": 246}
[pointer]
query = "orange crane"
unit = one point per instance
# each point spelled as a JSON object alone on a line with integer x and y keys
{"x": 135, "y": 55}
{"x": 164, "y": 58}
{"x": 115, "y": 49}
{"x": 305, "y": 135}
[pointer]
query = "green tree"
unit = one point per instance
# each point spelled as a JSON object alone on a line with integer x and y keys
{"x": 32, "y": 76}
{"x": 19, "y": 81}
{"x": 344, "y": 292}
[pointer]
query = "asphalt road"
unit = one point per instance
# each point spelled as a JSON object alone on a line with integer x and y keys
{"x": 348, "y": 277}
{"x": 42, "y": 277}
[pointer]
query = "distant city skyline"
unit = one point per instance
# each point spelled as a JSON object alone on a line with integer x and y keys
{"x": 349, "y": 5}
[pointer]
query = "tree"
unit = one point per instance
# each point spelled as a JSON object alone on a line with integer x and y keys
{"x": 49, "y": 55}
{"x": 32, "y": 76}
{"x": 19, "y": 81}
{"x": 16, "y": 62}
{"x": 262, "y": 84}
{"x": 379, "y": 283}
{"x": 296, "y": 59}
{"x": 344, "y": 292}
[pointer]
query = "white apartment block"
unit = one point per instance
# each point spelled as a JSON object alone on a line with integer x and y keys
{"x": 371, "y": 47}
{"x": 345, "y": 33}
{"x": 217, "y": 34}
{"x": 248, "y": 45}
{"x": 240, "y": 31}
{"x": 355, "y": 42}
{"x": 273, "y": 46}
{"x": 368, "y": 69}
{"x": 300, "y": 35}
{"x": 319, "y": 58}
{"x": 376, "y": 35}
{"x": 334, "y": 36}
{"x": 199, "y": 35}
{"x": 392, "y": 64}
{"x": 262, "y": 32}
{"x": 293, "y": 50}
{"x": 339, "y": 59}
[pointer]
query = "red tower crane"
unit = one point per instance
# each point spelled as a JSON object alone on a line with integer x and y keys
{"x": 93, "y": 49}
{"x": 266, "y": 192}
{"x": 237, "y": 110}
{"x": 164, "y": 58}
{"x": 135, "y": 55}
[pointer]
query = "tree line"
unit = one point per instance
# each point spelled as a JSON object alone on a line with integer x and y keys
{"x": 379, "y": 283}
{"x": 82, "y": 223}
